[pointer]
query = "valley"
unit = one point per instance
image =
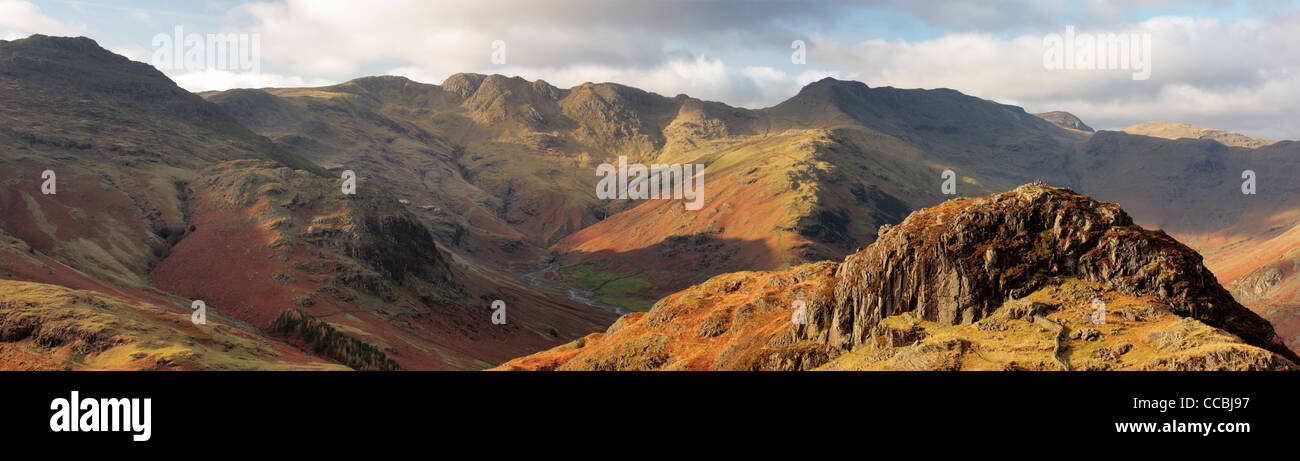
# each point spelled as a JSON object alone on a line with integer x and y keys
{"x": 487, "y": 187}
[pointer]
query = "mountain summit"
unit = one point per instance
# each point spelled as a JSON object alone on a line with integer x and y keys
{"x": 1183, "y": 130}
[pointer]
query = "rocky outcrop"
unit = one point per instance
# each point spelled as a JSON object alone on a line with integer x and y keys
{"x": 957, "y": 262}
{"x": 1065, "y": 120}
{"x": 373, "y": 227}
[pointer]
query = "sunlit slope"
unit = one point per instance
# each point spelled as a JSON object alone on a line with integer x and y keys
{"x": 1010, "y": 281}
{"x": 814, "y": 181}
{"x": 1183, "y": 130}
{"x": 769, "y": 202}
{"x": 49, "y": 327}
{"x": 1266, "y": 277}
{"x": 502, "y": 169}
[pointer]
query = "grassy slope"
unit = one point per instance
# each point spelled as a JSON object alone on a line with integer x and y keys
{"x": 49, "y": 327}
{"x": 362, "y": 264}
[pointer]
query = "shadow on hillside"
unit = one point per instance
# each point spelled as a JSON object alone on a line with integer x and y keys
{"x": 678, "y": 262}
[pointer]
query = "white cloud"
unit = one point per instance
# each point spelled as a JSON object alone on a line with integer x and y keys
{"x": 20, "y": 18}
{"x": 1237, "y": 75}
{"x": 213, "y": 79}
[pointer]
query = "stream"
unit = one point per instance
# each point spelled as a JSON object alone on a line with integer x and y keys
{"x": 538, "y": 279}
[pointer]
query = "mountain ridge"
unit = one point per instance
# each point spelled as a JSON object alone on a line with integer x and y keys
{"x": 866, "y": 152}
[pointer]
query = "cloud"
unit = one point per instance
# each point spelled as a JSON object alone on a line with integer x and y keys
{"x": 212, "y": 79}
{"x": 1229, "y": 74}
{"x": 20, "y": 18}
{"x": 1239, "y": 76}
{"x": 669, "y": 48}
{"x": 448, "y": 37}
{"x": 968, "y": 15}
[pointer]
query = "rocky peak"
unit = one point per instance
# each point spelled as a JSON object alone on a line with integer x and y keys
{"x": 496, "y": 99}
{"x": 608, "y": 112}
{"x": 1065, "y": 120}
{"x": 463, "y": 84}
{"x": 957, "y": 262}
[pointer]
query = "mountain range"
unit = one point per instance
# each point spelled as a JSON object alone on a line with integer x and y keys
{"x": 482, "y": 189}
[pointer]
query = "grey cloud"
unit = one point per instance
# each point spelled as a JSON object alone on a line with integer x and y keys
{"x": 1205, "y": 71}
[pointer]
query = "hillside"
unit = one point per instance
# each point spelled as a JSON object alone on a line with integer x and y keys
{"x": 272, "y": 244}
{"x": 1001, "y": 282}
{"x": 163, "y": 198}
{"x": 491, "y": 163}
{"x": 122, "y": 140}
{"x": 501, "y": 168}
{"x": 1192, "y": 188}
{"x": 1266, "y": 277}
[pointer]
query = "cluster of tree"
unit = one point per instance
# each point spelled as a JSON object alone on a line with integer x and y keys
{"x": 331, "y": 343}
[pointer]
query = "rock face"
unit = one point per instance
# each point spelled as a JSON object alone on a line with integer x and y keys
{"x": 1065, "y": 120}
{"x": 957, "y": 262}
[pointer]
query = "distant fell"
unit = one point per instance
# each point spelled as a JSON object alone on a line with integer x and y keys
{"x": 1183, "y": 130}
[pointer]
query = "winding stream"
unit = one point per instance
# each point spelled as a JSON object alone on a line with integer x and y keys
{"x": 538, "y": 279}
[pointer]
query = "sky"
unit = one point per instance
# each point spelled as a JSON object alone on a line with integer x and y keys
{"x": 1232, "y": 65}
